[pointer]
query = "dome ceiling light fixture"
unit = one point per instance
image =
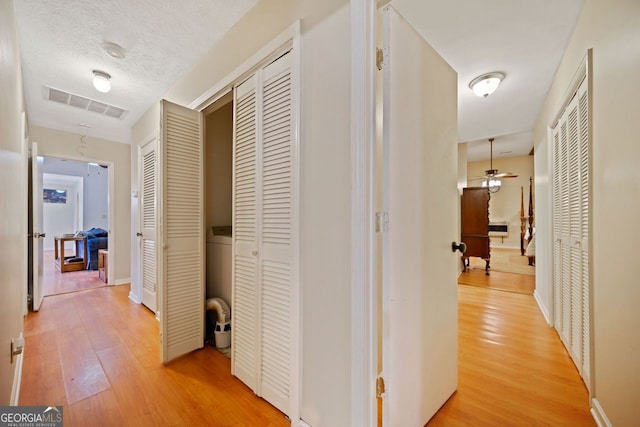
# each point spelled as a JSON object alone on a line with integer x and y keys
{"x": 101, "y": 81}
{"x": 486, "y": 84}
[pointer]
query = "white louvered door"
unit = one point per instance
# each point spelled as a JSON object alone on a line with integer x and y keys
{"x": 263, "y": 281}
{"x": 571, "y": 207}
{"x": 245, "y": 243}
{"x": 275, "y": 233}
{"x": 148, "y": 172}
{"x": 181, "y": 238}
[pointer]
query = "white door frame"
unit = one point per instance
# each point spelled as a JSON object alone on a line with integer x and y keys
{"x": 364, "y": 296}
{"x": 110, "y": 202}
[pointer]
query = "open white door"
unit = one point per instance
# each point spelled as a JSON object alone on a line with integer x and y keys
{"x": 180, "y": 248}
{"x": 419, "y": 287}
{"x": 37, "y": 224}
{"x": 147, "y": 173}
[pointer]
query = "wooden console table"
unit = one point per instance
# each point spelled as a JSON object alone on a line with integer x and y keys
{"x": 70, "y": 263}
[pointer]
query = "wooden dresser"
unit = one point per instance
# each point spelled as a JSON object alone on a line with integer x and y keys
{"x": 475, "y": 225}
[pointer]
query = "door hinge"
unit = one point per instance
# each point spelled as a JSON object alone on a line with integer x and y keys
{"x": 379, "y": 58}
{"x": 380, "y": 387}
{"x": 382, "y": 222}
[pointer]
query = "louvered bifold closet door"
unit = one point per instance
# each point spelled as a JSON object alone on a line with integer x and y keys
{"x": 276, "y": 233}
{"x": 583, "y": 236}
{"x": 245, "y": 245}
{"x": 182, "y": 231}
{"x": 557, "y": 235}
{"x": 565, "y": 255}
{"x": 575, "y": 256}
{"x": 149, "y": 166}
{"x": 571, "y": 229}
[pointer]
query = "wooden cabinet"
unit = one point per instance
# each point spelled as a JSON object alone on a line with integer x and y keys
{"x": 103, "y": 265}
{"x": 475, "y": 225}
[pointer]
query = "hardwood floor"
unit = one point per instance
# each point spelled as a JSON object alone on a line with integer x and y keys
{"x": 498, "y": 280}
{"x": 54, "y": 282}
{"x": 512, "y": 368}
{"x": 97, "y": 353}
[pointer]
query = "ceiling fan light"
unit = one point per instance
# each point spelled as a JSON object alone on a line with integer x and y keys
{"x": 486, "y": 84}
{"x": 101, "y": 81}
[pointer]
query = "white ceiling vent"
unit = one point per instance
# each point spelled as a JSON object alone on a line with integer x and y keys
{"x": 62, "y": 97}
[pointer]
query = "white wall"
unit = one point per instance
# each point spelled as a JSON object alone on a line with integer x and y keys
{"x": 544, "y": 259}
{"x": 13, "y": 212}
{"x": 55, "y": 143}
{"x": 324, "y": 187}
{"x": 219, "y": 166}
{"x": 60, "y": 218}
{"x": 96, "y": 188}
{"x": 611, "y": 28}
{"x": 505, "y": 204}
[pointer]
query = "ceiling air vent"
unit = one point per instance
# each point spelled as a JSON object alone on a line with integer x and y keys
{"x": 62, "y": 97}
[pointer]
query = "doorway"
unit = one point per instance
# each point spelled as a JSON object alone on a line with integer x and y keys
{"x": 75, "y": 205}
{"x": 218, "y": 189}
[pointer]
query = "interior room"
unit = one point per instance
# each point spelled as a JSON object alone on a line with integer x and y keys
{"x": 80, "y": 212}
{"x": 503, "y": 169}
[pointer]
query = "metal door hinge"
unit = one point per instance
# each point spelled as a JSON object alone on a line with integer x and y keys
{"x": 380, "y": 387}
{"x": 382, "y": 222}
{"x": 379, "y": 58}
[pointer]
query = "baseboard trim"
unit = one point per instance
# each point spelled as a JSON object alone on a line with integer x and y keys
{"x": 17, "y": 380}
{"x": 542, "y": 307}
{"x": 135, "y": 298}
{"x": 303, "y": 423}
{"x": 126, "y": 281}
{"x": 598, "y": 414}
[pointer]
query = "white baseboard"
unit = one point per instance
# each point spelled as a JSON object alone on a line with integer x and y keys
{"x": 542, "y": 307}
{"x": 17, "y": 380}
{"x": 303, "y": 423}
{"x": 598, "y": 414}
{"x": 135, "y": 298}
{"x": 122, "y": 281}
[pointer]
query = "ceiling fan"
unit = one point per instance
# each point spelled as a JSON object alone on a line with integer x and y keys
{"x": 492, "y": 179}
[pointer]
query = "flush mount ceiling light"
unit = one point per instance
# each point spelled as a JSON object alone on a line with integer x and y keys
{"x": 486, "y": 84}
{"x": 101, "y": 81}
{"x": 113, "y": 50}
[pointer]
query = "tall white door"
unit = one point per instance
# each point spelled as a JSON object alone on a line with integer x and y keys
{"x": 37, "y": 226}
{"x": 420, "y": 196}
{"x": 148, "y": 175}
{"x": 180, "y": 240}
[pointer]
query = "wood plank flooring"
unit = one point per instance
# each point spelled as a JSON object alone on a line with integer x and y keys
{"x": 512, "y": 368}
{"x": 54, "y": 282}
{"x": 510, "y": 282}
{"x": 96, "y": 353}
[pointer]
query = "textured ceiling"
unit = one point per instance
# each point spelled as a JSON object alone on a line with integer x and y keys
{"x": 60, "y": 43}
{"x": 523, "y": 39}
